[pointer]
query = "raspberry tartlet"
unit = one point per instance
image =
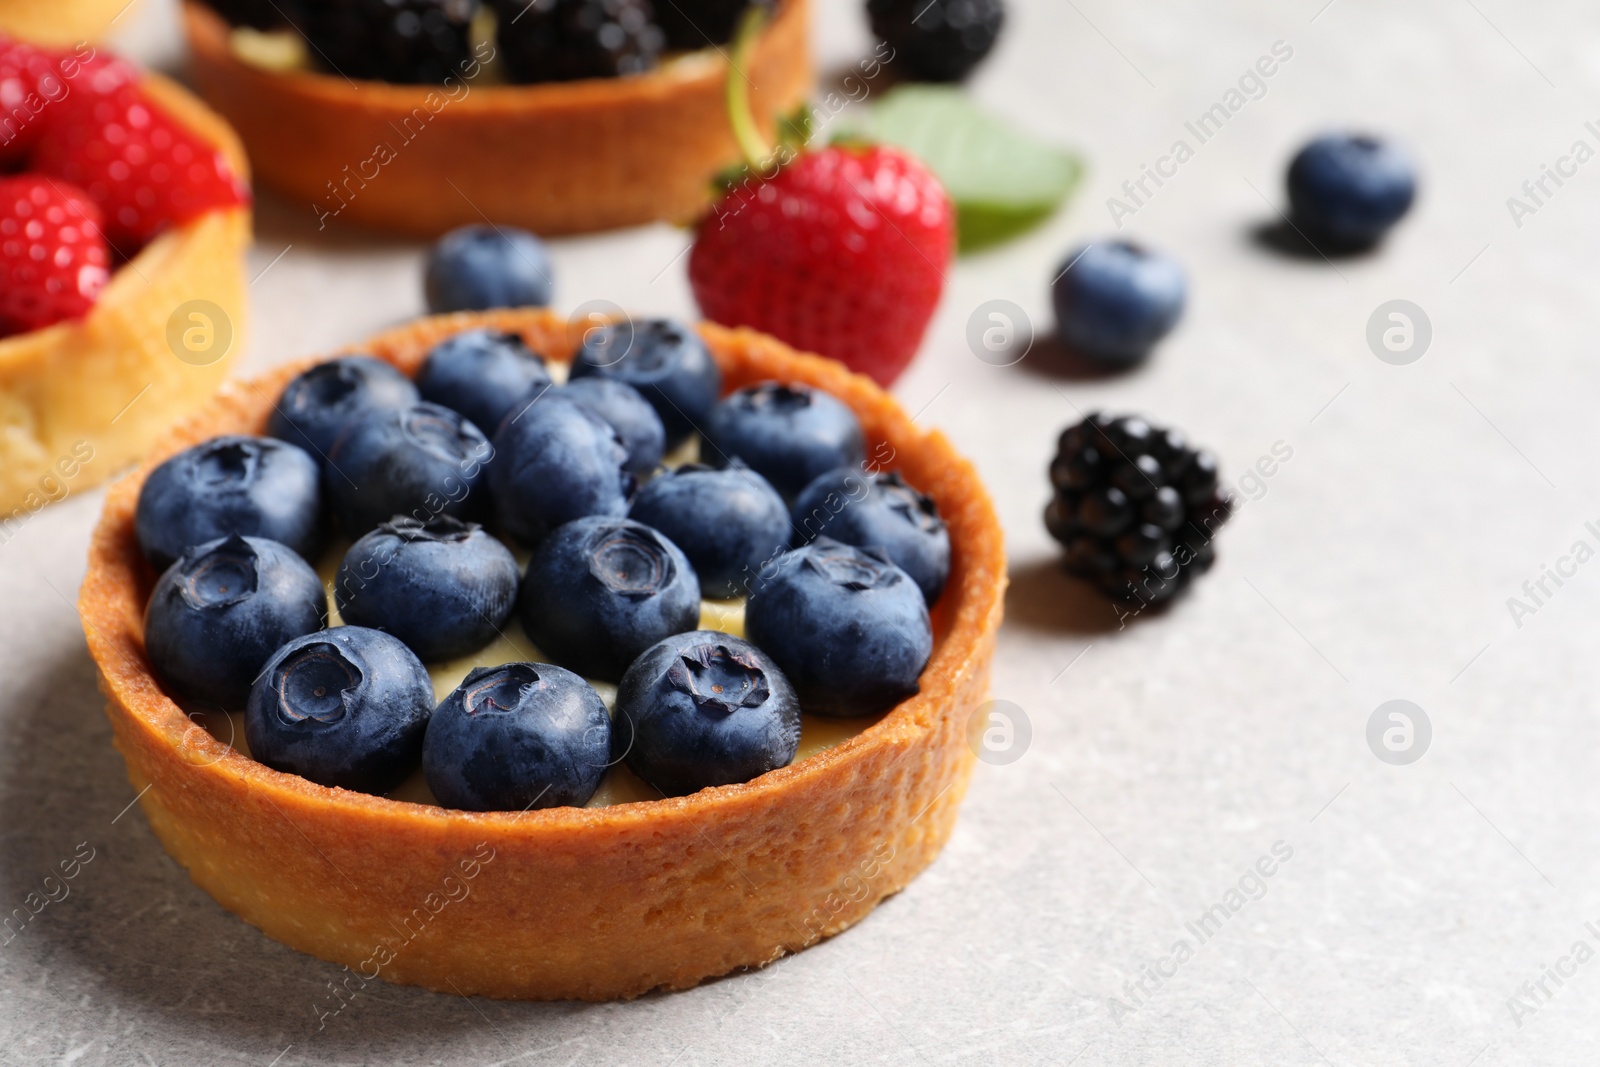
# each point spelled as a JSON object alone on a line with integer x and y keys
{"x": 102, "y": 260}
{"x": 632, "y": 893}
{"x": 422, "y": 145}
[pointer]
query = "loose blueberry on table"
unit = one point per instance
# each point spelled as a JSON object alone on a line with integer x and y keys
{"x": 702, "y": 709}
{"x": 344, "y": 707}
{"x": 1136, "y": 508}
{"x": 728, "y": 522}
{"x": 1114, "y": 300}
{"x": 1347, "y": 190}
{"x": 474, "y": 268}
{"x": 220, "y": 611}
{"x": 255, "y": 486}
{"x": 599, "y": 591}
{"x": 833, "y": 629}
{"x": 518, "y": 736}
{"x": 484, "y": 374}
{"x": 788, "y": 434}
{"x": 444, "y": 587}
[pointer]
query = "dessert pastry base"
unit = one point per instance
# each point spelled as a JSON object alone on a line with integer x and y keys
{"x": 584, "y": 903}
{"x": 60, "y": 22}
{"x": 79, "y": 400}
{"x": 553, "y": 158}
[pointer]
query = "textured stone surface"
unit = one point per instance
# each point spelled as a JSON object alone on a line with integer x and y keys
{"x": 1172, "y": 755}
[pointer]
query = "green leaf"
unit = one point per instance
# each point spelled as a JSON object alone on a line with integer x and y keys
{"x": 1003, "y": 181}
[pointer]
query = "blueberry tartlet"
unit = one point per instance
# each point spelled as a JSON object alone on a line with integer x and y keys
{"x": 739, "y": 793}
{"x": 559, "y": 116}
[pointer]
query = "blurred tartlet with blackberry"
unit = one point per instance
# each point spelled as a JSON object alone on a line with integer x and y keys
{"x": 558, "y": 116}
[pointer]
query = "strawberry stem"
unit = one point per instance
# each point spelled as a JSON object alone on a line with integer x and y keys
{"x": 752, "y": 145}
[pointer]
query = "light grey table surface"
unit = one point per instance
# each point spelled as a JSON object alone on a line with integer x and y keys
{"x": 1166, "y": 757}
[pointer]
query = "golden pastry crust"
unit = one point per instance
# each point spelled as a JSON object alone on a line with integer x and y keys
{"x": 584, "y": 903}
{"x": 79, "y": 400}
{"x": 59, "y": 22}
{"x": 556, "y": 158}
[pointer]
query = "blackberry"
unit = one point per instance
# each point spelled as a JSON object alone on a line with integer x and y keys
{"x": 566, "y": 40}
{"x": 410, "y": 42}
{"x": 694, "y": 24}
{"x": 938, "y": 40}
{"x": 1135, "y": 507}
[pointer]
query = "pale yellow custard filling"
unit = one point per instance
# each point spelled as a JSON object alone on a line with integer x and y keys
{"x": 620, "y": 785}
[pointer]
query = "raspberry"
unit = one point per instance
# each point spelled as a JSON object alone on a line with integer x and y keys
{"x": 34, "y": 80}
{"x": 143, "y": 168}
{"x": 53, "y": 260}
{"x": 568, "y": 40}
{"x": 1136, "y": 507}
{"x": 938, "y": 40}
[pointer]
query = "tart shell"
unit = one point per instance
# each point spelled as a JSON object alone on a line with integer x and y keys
{"x": 59, "y": 22}
{"x": 564, "y": 903}
{"x": 553, "y": 158}
{"x": 79, "y": 400}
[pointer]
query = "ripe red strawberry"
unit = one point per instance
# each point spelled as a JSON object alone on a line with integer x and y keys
{"x": 33, "y": 80}
{"x": 144, "y": 169}
{"x": 53, "y": 260}
{"x": 843, "y": 252}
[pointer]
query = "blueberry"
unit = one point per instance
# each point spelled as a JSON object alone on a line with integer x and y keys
{"x": 422, "y": 460}
{"x": 600, "y": 590}
{"x": 320, "y": 403}
{"x": 704, "y": 709}
{"x": 443, "y": 586}
{"x": 518, "y": 736}
{"x": 346, "y": 707}
{"x": 848, "y": 628}
{"x": 478, "y": 267}
{"x": 555, "y": 462}
{"x": 222, "y": 610}
{"x": 1114, "y": 300}
{"x": 789, "y": 434}
{"x": 255, "y": 486}
{"x": 1348, "y": 190}
{"x": 665, "y": 360}
{"x": 484, "y": 374}
{"x": 879, "y": 511}
{"x": 628, "y": 413}
{"x": 728, "y": 522}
